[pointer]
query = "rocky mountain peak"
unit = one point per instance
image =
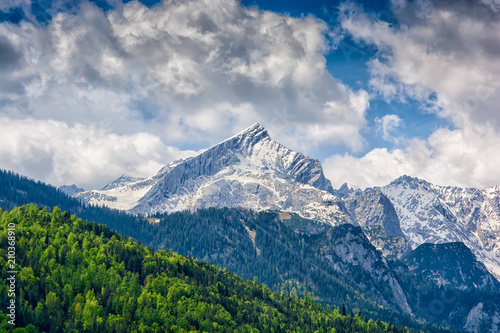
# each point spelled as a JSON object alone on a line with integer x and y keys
{"x": 344, "y": 191}
{"x": 248, "y": 170}
{"x": 376, "y": 215}
{"x": 70, "y": 189}
{"x": 256, "y": 132}
{"x": 245, "y": 141}
{"x": 121, "y": 181}
{"x": 408, "y": 181}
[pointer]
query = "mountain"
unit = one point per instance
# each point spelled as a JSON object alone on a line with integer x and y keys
{"x": 376, "y": 215}
{"x": 16, "y": 190}
{"x": 441, "y": 214}
{"x": 336, "y": 264}
{"x": 121, "y": 181}
{"x": 70, "y": 190}
{"x": 345, "y": 191}
{"x": 247, "y": 243}
{"x": 483, "y": 318}
{"x": 76, "y": 276}
{"x": 350, "y": 253}
{"x": 451, "y": 265}
{"x": 248, "y": 170}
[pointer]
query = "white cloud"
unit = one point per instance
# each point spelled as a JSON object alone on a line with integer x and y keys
{"x": 457, "y": 157}
{"x": 60, "y": 154}
{"x": 387, "y": 124}
{"x": 447, "y": 52}
{"x": 342, "y": 123}
{"x": 188, "y": 73}
{"x": 7, "y": 5}
{"x": 446, "y": 57}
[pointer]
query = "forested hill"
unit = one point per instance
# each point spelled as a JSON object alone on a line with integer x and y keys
{"x": 76, "y": 275}
{"x": 16, "y": 190}
{"x": 248, "y": 244}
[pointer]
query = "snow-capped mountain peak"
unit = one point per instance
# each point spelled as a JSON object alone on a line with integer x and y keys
{"x": 248, "y": 170}
{"x": 121, "y": 181}
{"x": 249, "y": 136}
{"x": 70, "y": 189}
{"x": 437, "y": 214}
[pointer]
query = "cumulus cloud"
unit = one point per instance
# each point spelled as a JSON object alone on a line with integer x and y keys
{"x": 342, "y": 124}
{"x": 458, "y": 157}
{"x": 188, "y": 73}
{"x": 7, "y": 5}
{"x": 438, "y": 49}
{"x": 445, "y": 55}
{"x": 58, "y": 153}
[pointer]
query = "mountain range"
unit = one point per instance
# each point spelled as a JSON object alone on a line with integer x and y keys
{"x": 441, "y": 214}
{"x": 78, "y": 276}
{"x": 402, "y": 231}
{"x": 336, "y": 264}
{"x": 250, "y": 170}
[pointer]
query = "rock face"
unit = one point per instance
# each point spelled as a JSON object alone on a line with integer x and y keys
{"x": 70, "y": 189}
{"x": 345, "y": 191}
{"x": 376, "y": 215}
{"x": 441, "y": 214}
{"x": 121, "y": 181}
{"x": 248, "y": 170}
{"x": 483, "y": 318}
{"x": 451, "y": 265}
{"x": 351, "y": 254}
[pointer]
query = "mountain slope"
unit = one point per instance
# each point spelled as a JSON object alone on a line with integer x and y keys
{"x": 350, "y": 253}
{"x": 375, "y": 214}
{"x": 79, "y": 276}
{"x": 452, "y": 265}
{"x": 335, "y": 264}
{"x": 248, "y": 170}
{"x": 441, "y": 214}
{"x": 121, "y": 181}
{"x": 16, "y": 190}
{"x": 70, "y": 190}
{"x": 259, "y": 244}
{"x": 284, "y": 255}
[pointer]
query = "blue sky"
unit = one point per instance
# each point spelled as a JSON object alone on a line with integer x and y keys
{"x": 348, "y": 62}
{"x": 374, "y": 89}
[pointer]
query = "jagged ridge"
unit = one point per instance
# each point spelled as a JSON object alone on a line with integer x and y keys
{"x": 440, "y": 214}
{"x": 248, "y": 170}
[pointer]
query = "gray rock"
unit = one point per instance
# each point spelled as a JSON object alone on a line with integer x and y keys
{"x": 350, "y": 253}
{"x": 376, "y": 215}
{"x": 121, "y": 181}
{"x": 70, "y": 190}
{"x": 441, "y": 214}
{"x": 248, "y": 170}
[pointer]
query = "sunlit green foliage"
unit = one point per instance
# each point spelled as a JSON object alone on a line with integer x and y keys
{"x": 80, "y": 276}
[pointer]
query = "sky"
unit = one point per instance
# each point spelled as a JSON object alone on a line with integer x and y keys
{"x": 91, "y": 90}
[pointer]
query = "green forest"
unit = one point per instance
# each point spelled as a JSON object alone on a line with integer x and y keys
{"x": 252, "y": 244}
{"x": 257, "y": 244}
{"x": 282, "y": 256}
{"x": 79, "y": 276}
{"x": 220, "y": 237}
